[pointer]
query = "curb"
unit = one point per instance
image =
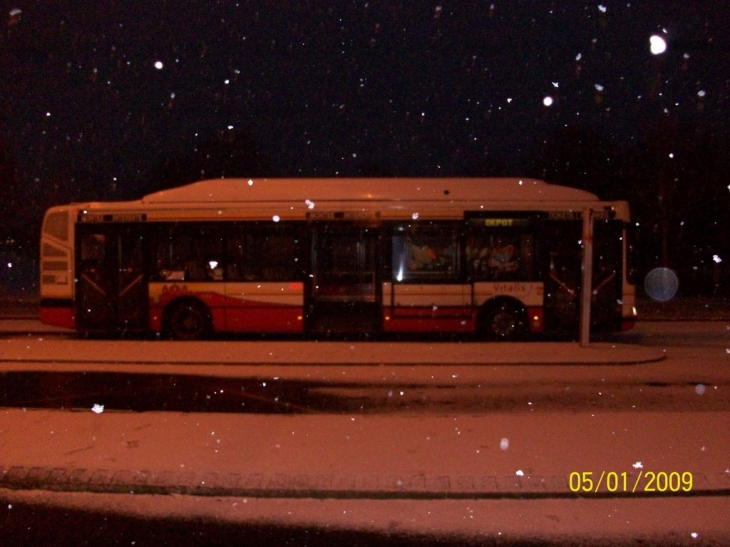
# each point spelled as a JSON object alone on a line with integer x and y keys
{"x": 331, "y": 486}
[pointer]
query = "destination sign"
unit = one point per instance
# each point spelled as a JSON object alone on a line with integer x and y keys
{"x": 343, "y": 215}
{"x": 114, "y": 217}
{"x": 499, "y": 222}
{"x": 598, "y": 214}
{"x": 565, "y": 215}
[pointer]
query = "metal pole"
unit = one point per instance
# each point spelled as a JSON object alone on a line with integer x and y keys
{"x": 586, "y": 290}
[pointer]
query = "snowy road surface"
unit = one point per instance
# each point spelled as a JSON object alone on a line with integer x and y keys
{"x": 656, "y": 468}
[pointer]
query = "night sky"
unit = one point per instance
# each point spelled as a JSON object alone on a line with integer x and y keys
{"x": 117, "y": 100}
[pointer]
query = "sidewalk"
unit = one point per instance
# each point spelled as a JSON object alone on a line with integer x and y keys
{"x": 38, "y": 349}
{"x": 527, "y": 455}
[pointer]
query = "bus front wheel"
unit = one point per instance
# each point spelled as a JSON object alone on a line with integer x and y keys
{"x": 188, "y": 320}
{"x": 502, "y": 320}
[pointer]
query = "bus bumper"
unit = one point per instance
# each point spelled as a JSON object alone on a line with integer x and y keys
{"x": 58, "y": 313}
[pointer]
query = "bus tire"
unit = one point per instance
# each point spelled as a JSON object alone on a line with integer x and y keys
{"x": 187, "y": 319}
{"x": 502, "y": 319}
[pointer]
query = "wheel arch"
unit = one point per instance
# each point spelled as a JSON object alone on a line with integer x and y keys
{"x": 189, "y": 301}
{"x": 492, "y": 305}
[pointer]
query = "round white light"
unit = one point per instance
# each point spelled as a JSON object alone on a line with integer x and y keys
{"x": 657, "y": 44}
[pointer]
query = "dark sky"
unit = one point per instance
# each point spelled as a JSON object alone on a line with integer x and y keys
{"x": 97, "y": 100}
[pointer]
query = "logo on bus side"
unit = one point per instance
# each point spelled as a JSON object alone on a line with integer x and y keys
{"x": 515, "y": 288}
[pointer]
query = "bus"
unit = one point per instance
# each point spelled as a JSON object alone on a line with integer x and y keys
{"x": 498, "y": 258}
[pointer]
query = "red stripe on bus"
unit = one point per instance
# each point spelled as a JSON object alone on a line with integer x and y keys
{"x": 58, "y": 317}
{"x": 264, "y": 319}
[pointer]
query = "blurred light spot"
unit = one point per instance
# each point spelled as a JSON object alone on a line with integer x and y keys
{"x": 98, "y": 409}
{"x": 657, "y": 45}
{"x": 637, "y": 465}
{"x": 504, "y": 443}
{"x": 276, "y": 218}
{"x": 159, "y": 65}
{"x": 700, "y": 389}
{"x": 661, "y": 284}
{"x": 520, "y": 473}
{"x": 715, "y": 258}
{"x": 547, "y": 101}
{"x": 14, "y": 16}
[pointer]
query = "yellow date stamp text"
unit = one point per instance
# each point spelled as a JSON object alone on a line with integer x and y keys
{"x": 623, "y": 482}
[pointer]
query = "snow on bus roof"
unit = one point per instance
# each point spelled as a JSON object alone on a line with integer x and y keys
{"x": 368, "y": 189}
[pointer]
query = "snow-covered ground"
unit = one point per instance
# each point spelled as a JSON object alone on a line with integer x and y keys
{"x": 491, "y": 475}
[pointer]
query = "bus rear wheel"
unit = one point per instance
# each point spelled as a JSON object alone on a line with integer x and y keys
{"x": 188, "y": 320}
{"x": 502, "y": 320}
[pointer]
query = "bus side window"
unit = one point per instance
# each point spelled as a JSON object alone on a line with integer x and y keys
{"x": 264, "y": 253}
{"x": 279, "y": 257}
{"x": 426, "y": 255}
{"x": 189, "y": 253}
{"x": 236, "y": 255}
{"x": 500, "y": 256}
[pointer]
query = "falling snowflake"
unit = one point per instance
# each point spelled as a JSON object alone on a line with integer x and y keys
{"x": 98, "y": 409}
{"x": 637, "y": 465}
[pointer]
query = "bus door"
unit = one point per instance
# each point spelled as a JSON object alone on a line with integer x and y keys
{"x": 607, "y": 280}
{"x": 111, "y": 281}
{"x": 343, "y": 293}
{"x": 563, "y": 253}
{"x": 563, "y": 279}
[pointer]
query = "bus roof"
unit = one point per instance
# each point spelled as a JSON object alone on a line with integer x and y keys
{"x": 368, "y": 189}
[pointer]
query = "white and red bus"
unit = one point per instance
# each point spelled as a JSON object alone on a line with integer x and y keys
{"x": 494, "y": 257}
